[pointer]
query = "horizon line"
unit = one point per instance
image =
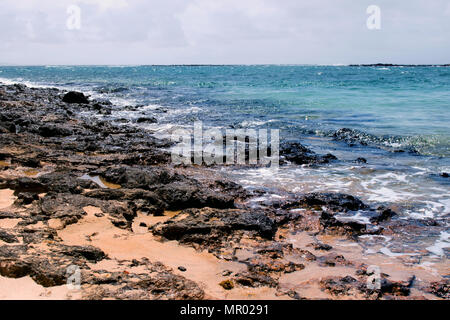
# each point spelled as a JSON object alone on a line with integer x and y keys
{"x": 231, "y": 64}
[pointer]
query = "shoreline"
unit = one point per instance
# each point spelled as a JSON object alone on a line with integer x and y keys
{"x": 215, "y": 245}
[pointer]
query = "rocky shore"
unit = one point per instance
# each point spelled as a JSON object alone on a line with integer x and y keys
{"x": 78, "y": 191}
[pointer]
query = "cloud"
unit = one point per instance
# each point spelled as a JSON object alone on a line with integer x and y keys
{"x": 223, "y": 31}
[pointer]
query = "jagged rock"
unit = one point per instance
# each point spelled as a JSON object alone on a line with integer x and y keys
{"x": 211, "y": 225}
{"x": 175, "y": 190}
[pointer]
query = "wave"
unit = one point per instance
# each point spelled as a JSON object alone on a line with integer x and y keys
{"x": 430, "y": 145}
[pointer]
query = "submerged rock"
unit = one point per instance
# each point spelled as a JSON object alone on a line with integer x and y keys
{"x": 334, "y": 201}
{"x": 296, "y": 153}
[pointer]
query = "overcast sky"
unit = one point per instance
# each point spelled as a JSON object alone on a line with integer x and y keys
{"x": 223, "y": 32}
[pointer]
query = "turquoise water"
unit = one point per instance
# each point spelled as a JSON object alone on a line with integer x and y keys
{"x": 406, "y": 105}
{"x": 394, "y": 108}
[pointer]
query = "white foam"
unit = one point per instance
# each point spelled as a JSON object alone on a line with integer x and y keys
{"x": 439, "y": 246}
{"x": 375, "y": 236}
{"x": 358, "y": 217}
{"x": 388, "y": 252}
{"x": 254, "y": 123}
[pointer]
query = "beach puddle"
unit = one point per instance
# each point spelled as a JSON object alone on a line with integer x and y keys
{"x": 142, "y": 222}
{"x": 307, "y": 282}
{"x": 7, "y": 198}
{"x": 101, "y": 182}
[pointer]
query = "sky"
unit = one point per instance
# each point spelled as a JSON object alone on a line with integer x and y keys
{"x": 123, "y": 32}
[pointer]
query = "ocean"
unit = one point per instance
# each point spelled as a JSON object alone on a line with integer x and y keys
{"x": 398, "y": 119}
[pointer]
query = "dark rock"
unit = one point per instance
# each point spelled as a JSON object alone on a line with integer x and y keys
{"x": 75, "y": 97}
{"x": 64, "y": 206}
{"x": 248, "y": 279}
{"x": 129, "y": 177}
{"x": 27, "y": 162}
{"x": 7, "y": 127}
{"x": 89, "y": 253}
{"x": 382, "y": 214}
{"x": 182, "y": 269}
{"x": 296, "y": 153}
{"x": 104, "y": 102}
{"x": 320, "y": 246}
{"x": 227, "y": 284}
{"x": 20, "y": 87}
{"x": 146, "y": 120}
{"x": 206, "y": 225}
{"x": 440, "y": 289}
{"x": 175, "y": 190}
{"x": 352, "y": 136}
{"x": 64, "y": 182}
{"x": 395, "y": 288}
{"x": 27, "y": 197}
{"x": 51, "y": 130}
{"x": 444, "y": 175}
{"x": 339, "y": 286}
{"x": 121, "y": 224}
{"x": 361, "y": 160}
{"x": 331, "y": 260}
{"x": 26, "y": 185}
{"x": 8, "y": 237}
{"x": 334, "y": 201}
